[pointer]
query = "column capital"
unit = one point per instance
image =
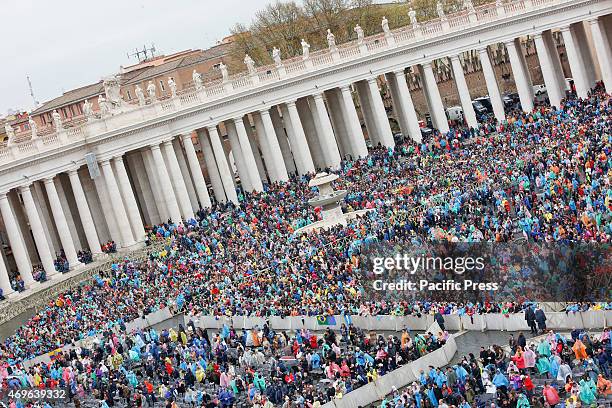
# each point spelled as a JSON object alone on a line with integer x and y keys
{"x": 537, "y": 34}
{"x": 373, "y": 79}
{"x": 186, "y": 136}
{"x": 237, "y": 120}
{"x": 318, "y": 95}
{"x": 71, "y": 172}
{"x": 212, "y": 129}
{"x": 265, "y": 111}
{"x": 398, "y": 72}
{"x": 105, "y": 162}
{"x": 593, "y": 21}
{"x": 426, "y": 64}
{"x": 48, "y": 180}
{"x": 154, "y": 146}
{"x": 118, "y": 156}
{"x": 167, "y": 142}
{"x": 564, "y": 28}
{"x": 510, "y": 43}
{"x": 4, "y": 195}
{"x": 291, "y": 102}
{"x": 454, "y": 57}
{"x": 345, "y": 88}
{"x": 484, "y": 50}
{"x": 25, "y": 189}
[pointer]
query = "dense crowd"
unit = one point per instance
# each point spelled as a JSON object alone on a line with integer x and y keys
{"x": 553, "y": 371}
{"x": 542, "y": 175}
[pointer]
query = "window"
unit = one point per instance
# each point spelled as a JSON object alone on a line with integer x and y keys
{"x": 129, "y": 95}
{"x": 161, "y": 84}
{"x": 44, "y": 121}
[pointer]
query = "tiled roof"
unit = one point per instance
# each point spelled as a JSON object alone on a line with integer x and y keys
{"x": 69, "y": 97}
{"x": 135, "y": 76}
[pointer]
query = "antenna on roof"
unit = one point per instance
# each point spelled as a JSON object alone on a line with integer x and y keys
{"x": 144, "y": 54}
{"x": 32, "y": 92}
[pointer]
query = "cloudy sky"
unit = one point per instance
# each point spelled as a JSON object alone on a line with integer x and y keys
{"x": 64, "y": 44}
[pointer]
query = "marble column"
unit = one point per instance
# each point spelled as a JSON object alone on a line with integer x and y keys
{"x": 177, "y": 181}
{"x": 131, "y": 206}
{"x": 196, "y": 172}
{"x": 363, "y": 93}
{"x": 353, "y": 124}
{"x": 573, "y": 56}
{"x": 61, "y": 224}
{"x": 5, "y": 280}
{"x": 553, "y": 88}
{"x": 492, "y": 86}
{"x": 186, "y": 174}
{"x": 224, "y": 170}
{"x": 601, "y": 43}
{"x": 335, "y": 108}
{"x": 46, "y": 257}
{"x": 211, "y": 167}
{"x": 407, "y": 106}
{"x": 84, "y": 213}
{"x": 174, "y": 212}
{"x": 268, "y": 160}
{"x": 521, "y": 75}
{"x": 121, "y": 216}
{"x": 156, "y": 188}
{"x": 247, "y": 155}
{"x": 17, "y": 247}
{"x": 325, "y": 132}
{"x": 434, "y": 100}
{"x": 261, "y": 169}
{"x": 310, "y": 132}
{"x": 297, "y": 138}
{"x": 275, "y": 150}
{"x": 380, "y": 114}
{"x": 283, "y": 141}
{"x": 243, "y": 172}
{"x": 464, "y": 92}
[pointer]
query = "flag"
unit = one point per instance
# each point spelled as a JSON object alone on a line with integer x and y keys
{"x": 326, "y": 320}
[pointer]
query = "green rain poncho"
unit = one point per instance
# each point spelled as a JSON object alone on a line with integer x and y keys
{"x": 587, "y": 392}
{"x": 543, "y": 365}
{"x": 522, "y": 402}
{"x": 544, "y": 349}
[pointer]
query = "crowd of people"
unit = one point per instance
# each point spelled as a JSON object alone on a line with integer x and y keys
{"x": 553, "y": 371}
{"x": 542, "y": 176}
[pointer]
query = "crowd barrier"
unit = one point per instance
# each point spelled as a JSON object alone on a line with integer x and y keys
{"x": 383, "y": 386}
{"x": 165, "y": 318}
{"x": 493, "y": 321}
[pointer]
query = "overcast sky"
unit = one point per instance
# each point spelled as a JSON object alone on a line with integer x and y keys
{"x": 64, "y": 44}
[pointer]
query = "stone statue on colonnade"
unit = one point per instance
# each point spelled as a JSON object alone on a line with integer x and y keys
{"x": 152, "y": 90}
{"x": 305, "y": 49}
{"x": 440, "y": 10}
{"x": 360, "y": 34}
{"x": 103, "y": 104}
{"x": 197, "y": 80}
{"x": 224, "y": 73}
{"x": 331, "y": 39}
{"x": 112, "y": 89}
{"x": 172, "y": 86}
{"x": 33, "y": 128}
{"x": 413, "y": 19}
{"x": 276, "y": 56}
{"x": 87, "y": 109}
{"x": 385, "y": 25}
{"x": 140, "y": 95}
{"x": 57, "y": 121}
{"x": 10, "y": 134}
{"x": 250, "y": 64}
{"x": 469, "y": 6}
